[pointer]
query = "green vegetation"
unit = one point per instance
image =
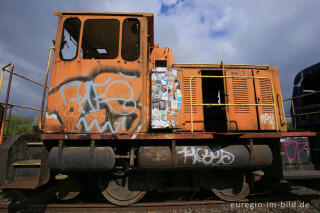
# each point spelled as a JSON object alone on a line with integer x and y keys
{"x": 290, "y": 126}
{"x": 20, "y": 125}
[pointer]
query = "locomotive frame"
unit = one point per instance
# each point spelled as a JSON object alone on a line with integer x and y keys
{"x": 123, "y": 117}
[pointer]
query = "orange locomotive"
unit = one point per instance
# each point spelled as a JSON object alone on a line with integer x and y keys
{"x": 121, "y": 114}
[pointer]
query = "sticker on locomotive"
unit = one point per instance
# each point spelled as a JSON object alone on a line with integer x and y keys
{"x": 166, "y": 97}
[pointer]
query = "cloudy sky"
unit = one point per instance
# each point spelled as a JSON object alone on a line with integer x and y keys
{"x": 283, "y": 33}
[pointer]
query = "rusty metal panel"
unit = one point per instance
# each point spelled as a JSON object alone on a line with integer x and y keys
{"x": 98, "y": 95}
{"x": 240, "y": 91}
{"x": 81, "y": 159}
{"x": 195, "y": 97}
{"x": 217, "y": 156}
{"x": 278, "y": 98}
{"x": 264, "y": 95}
{"x": 175, "y": 136}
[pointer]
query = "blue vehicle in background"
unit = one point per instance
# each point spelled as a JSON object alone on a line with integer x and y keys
{"x": 305, "y": 105}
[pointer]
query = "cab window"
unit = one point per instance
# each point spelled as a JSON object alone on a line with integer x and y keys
{"x": 100, "y": 39}
{"x": 70, "y": 38}
{"x": 130, "y": 39}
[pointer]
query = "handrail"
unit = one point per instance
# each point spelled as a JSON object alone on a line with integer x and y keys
{"x": 300, "y": 96}
{"x": 28, "y": 79}
{"x": 6, "y": 103}
{"x": 245, "y": 77}
{"x": 21, "y": 106}
{"x": 294, "y": 114}
{"x": 45, "y": 88}
{"x": 7, "y": 99}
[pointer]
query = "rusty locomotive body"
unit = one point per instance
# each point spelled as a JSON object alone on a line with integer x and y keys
{"x": 121, "y": 114}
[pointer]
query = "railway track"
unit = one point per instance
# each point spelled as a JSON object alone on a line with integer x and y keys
{"x": 298, "y": 199}
{"x": 183, "y": 206}
{"x": 258, "y": 205}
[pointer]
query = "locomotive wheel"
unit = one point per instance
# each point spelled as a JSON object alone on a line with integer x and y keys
{"x": 234, "y": 192}
{"x": 119, "y": 193}
{"x": 68, "y": 189}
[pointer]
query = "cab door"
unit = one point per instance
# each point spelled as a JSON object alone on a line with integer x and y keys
{"x": 264, "y": 95}
{"x": 240, "y": 90}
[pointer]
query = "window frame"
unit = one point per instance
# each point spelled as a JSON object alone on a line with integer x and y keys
{"x": 61, "y": 38}
{"x": 101, "y": 19}
{"x": 139, "y": 39}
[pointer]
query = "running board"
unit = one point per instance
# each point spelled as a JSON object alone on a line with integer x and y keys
{"x": 38, "y": 143}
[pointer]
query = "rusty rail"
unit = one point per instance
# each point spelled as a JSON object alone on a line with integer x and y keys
{"x": 181, "y": 206}
{"x": 273, "y": 202}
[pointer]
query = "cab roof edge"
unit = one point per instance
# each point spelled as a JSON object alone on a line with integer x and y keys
{"x": 102, "y": 13}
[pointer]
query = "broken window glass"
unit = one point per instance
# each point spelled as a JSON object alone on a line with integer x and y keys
{"x": 70, "y": 38}
{"x": 131, "y": 39}
{"x": 100, "y": 39}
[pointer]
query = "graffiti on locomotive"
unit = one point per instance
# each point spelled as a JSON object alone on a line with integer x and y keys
{"x": 206, "y": 155}
{"x": 109, "y": 92}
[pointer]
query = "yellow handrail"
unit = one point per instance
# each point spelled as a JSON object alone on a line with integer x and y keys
{"x": 2, "y": 73}
{"x": 45, "y": 88}
{"x": 294, "y": 114}
{"x": 23, "y": 77}
{"x": 7, "y": 99}
{"x": 6, "y": 103}
{"x": 21, "y": 106}
{"x": 245, "y": 77}
{"x": 300, "y": 96}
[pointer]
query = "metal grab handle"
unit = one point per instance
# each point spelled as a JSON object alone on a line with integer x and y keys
{"x": 7, "y": 99}
{"x": 45, "y": 88}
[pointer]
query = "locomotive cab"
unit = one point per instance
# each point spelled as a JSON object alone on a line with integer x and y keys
{"x": 99, "y": 72}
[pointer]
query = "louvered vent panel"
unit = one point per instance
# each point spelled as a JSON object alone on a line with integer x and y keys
{"x": 240, "y": 94}
{"x": 266, "y": 95}
{"x": 186, "y": 89}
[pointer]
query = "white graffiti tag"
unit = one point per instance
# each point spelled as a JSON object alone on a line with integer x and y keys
{"x": 52, "y": 116}
{"x": 265, "y": 117}
{"x": 207, "y": 156}
{"x": 107, "y": 125}
{"x": 162, "y": 123}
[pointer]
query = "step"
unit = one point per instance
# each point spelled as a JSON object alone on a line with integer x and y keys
{"x": 301, "y": 174}
{"x": 36, "y": 143}
{"x": 27, "y": 163}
